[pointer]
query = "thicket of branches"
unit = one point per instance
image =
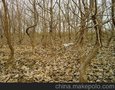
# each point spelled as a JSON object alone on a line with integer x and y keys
{"x": 65, "y": 21}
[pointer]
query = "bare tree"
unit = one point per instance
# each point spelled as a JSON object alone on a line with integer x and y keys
{"x": 7, "y": 29}
{"x": 51, "y": 16}
{"x": 113, "y": 12}
{"x": 93, "y": 6}
{"x": 113, "y": 21}
{"x": 31, "y": 29}
{"x": 59, "y": 19}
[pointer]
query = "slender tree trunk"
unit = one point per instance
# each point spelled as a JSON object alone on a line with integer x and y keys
{"x": 51, "y": 17}
{"x": 35, "y": 23}
{"x": 51, "y": 23}
{"x": 6, "y": 29}
{"x": 86, "y": 62}
{"x": 113, "y": 12}
{"x": 93, "y": 5}
{"x": 82, "y": 24}
{"x": 113, "y": 22}
{"x": 59, "y": 20}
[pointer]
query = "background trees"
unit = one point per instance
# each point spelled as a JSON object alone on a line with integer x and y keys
{"x": 78, "y": 16}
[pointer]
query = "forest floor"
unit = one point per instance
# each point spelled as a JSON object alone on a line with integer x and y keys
{"x": 59, "y": 65}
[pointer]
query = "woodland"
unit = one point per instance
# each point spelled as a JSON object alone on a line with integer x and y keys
{"x": 57, "y": 41}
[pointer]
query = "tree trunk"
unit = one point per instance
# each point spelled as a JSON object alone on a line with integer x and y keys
{"x": 6, "y": 30}
{"x": 85, "y": 62}
{"x": 97, "y": 27}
